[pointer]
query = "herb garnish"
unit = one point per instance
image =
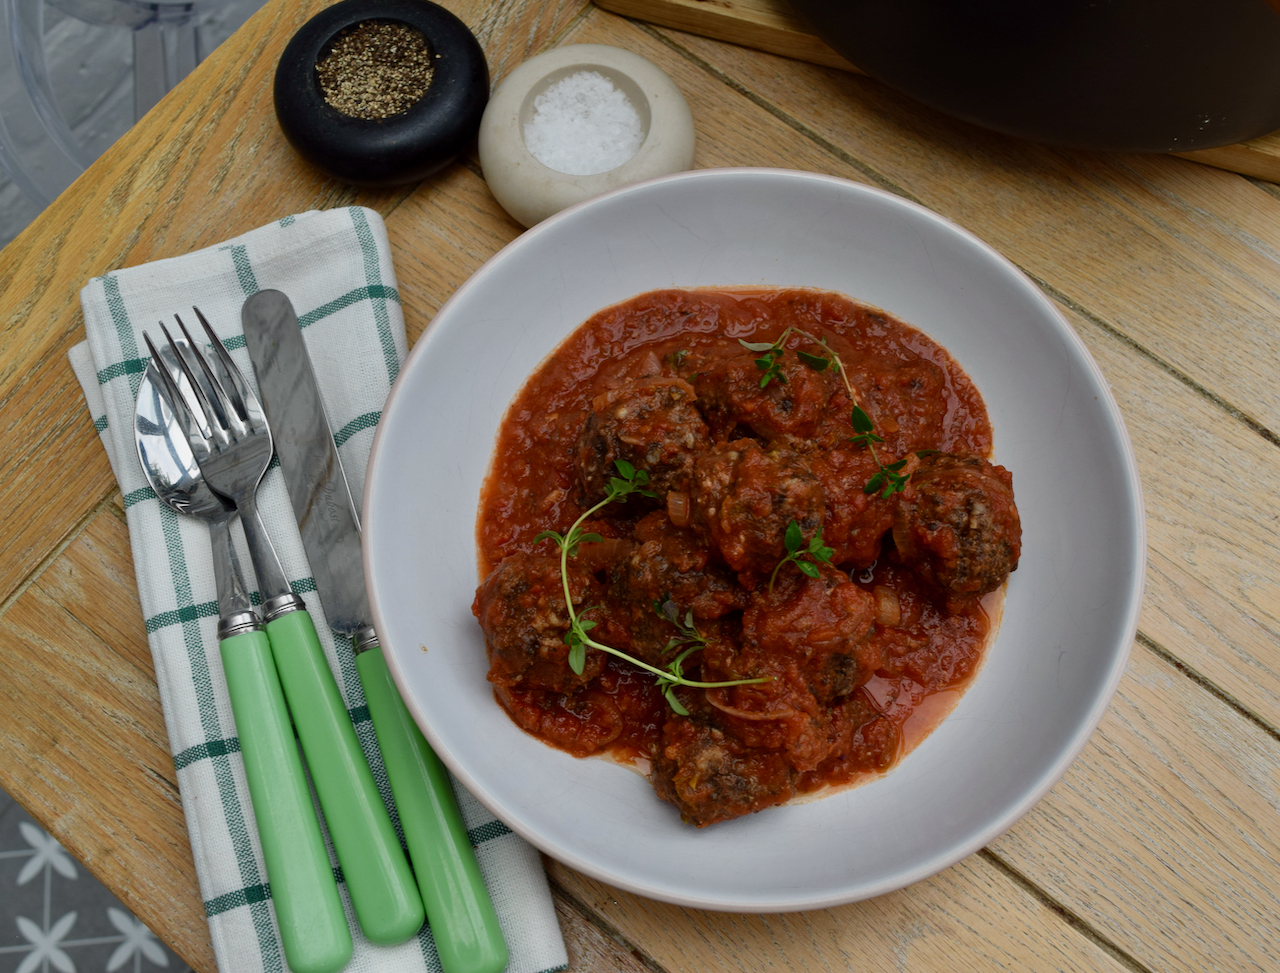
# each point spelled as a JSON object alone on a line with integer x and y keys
{"x": 806, "y": 558}
{"x": 629, "y": 481}
{"x": 888, "y": 476}
{"x": 688, "y": 636}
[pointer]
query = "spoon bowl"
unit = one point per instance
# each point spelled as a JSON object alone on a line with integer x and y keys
{"x": 167, "y": 460}
{"x": 171, "y": 469}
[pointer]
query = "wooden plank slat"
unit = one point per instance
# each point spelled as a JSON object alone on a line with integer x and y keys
{"x": 590, "y": 949}
{"x": 1165, "y": 834}
{"x": 95, "y": 745}
{"x": 972, "y": 916}
{"x": 766, "y": 25}
{"x": 1258, "y": 157}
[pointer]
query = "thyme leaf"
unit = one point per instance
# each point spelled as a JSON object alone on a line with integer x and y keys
{"x": 887, "y": 480}
{"x": 816, "y": 362}
{"x": 887, "y": 476}
{"x": 804, "y": 556}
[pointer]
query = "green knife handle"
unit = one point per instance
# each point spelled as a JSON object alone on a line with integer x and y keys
{"x": 377, "y": 873}
{"x": 313, "y": 929}
{"x": 463, "y": 922}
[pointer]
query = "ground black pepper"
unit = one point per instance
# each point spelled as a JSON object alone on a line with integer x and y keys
{"x": 376, "y": 69}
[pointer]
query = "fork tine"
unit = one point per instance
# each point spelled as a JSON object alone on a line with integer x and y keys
{"x": 212, "y": 387}
{"x": 178, "y": 403}
{"x": 213, "y": 412}
{"x": 231, "y": 370}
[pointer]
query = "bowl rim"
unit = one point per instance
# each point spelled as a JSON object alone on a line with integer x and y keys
{"x": 1131, "y": 595}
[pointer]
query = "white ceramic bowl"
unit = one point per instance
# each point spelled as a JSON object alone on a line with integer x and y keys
{"x": 1071, "y": 609}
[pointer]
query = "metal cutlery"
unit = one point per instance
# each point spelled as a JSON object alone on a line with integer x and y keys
{"x": 232, "y": 444}
{"x": 313, "y": 929}
{"x": 463, "y": 922}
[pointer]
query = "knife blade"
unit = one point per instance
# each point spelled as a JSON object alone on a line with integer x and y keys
{"x": 459, "y": 910}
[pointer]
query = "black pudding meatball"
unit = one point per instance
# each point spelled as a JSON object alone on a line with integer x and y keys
{"x": 792, "y": 403}
{"x": 668, "y": 565}
{"x": 650, "y": 423}
{"x": 957, "y": 526}
{"x": 744, "y": 497}
{"x": 710, "y": 775}
{"x": 522, "y": 613}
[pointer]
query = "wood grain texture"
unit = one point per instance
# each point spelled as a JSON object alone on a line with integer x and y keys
{"x": 1163, "y": 835}
{"x": 592, "y": 946}
{"x": 1258, "y": 157}
{"x": 767, "y": 25}
{"x": 92, "y": 736}
{"x": 1157, "y": 851}
{"x": 973, "y": 916}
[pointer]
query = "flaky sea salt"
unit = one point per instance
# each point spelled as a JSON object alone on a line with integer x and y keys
{"x": 583, "y": 125}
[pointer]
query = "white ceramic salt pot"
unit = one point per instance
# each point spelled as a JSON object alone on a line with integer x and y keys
{"x": 531, "y": 191}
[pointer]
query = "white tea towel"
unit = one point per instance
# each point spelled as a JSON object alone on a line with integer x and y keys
{"x": 335, "y": 266}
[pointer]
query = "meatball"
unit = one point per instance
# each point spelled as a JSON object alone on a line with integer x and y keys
{"x": 857, "y": 522}
{"x": 710, "y": 775}
{"x": 867, "y": 743}
{"x": 650, "y": 423}
{"x": 793, "y": 404}
{"x": 743, "y": 497}
{"x": 957, "y": 527}
{"x": 809, "y": 638}
{"x": 671, "y": 566}
{"x": 820, "y": 628}
{"x": 522, "y": 613}
{"x": 907, "y": 401}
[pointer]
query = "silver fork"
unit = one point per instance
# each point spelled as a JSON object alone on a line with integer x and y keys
{"x": 231, "y": 441}
{"x": 232, "y": 445}
{"x": 313, "y": 929}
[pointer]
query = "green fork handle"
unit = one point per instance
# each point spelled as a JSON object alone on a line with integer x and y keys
{"x": 463, "y": 922}
{"x": 378, "y": 877}
{"x": 313, "y": 929}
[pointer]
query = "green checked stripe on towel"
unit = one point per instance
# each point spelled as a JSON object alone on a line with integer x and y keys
{"x": 336, "y": 268}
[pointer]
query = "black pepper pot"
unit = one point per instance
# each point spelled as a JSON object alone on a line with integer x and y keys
{"x": 401, "y": 148}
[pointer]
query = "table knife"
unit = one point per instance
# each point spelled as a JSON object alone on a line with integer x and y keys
{"x": 459, "y": 910}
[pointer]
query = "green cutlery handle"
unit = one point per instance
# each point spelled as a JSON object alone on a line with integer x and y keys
{"x": 377, "y": 873}
{"x": 463, "y": 922}
{"x": 313, "y": 929}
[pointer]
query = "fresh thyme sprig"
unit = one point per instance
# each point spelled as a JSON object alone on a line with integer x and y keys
{"x": 629, "y": 481}
{"x": 806, "y": 558}
{"x": 772, "y": 351}
{"x": 688, "y": 631}
{"x": 689, "y": 637}
{"x": 887, "y": 476}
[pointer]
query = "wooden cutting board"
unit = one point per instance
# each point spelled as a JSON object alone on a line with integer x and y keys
{"x": 770, "y": 25}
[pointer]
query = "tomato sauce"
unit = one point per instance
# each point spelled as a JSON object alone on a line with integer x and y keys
{"x": 863, "y": 654}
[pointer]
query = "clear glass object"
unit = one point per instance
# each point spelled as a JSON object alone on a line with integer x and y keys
{"x": 76, "y": 74}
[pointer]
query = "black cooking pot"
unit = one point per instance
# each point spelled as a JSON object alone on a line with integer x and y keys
{"x": 1124, "y": 75}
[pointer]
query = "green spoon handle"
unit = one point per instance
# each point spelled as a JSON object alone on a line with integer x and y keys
{"x": 313, "y": 929}
{"x": 377, "y": 873}
{"x": 463, "y": 922}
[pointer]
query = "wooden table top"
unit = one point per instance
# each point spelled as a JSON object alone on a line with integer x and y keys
{"x": 1160, "y": 848}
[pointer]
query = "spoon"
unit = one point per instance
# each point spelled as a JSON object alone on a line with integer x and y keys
{"x": 313, "y": 929}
